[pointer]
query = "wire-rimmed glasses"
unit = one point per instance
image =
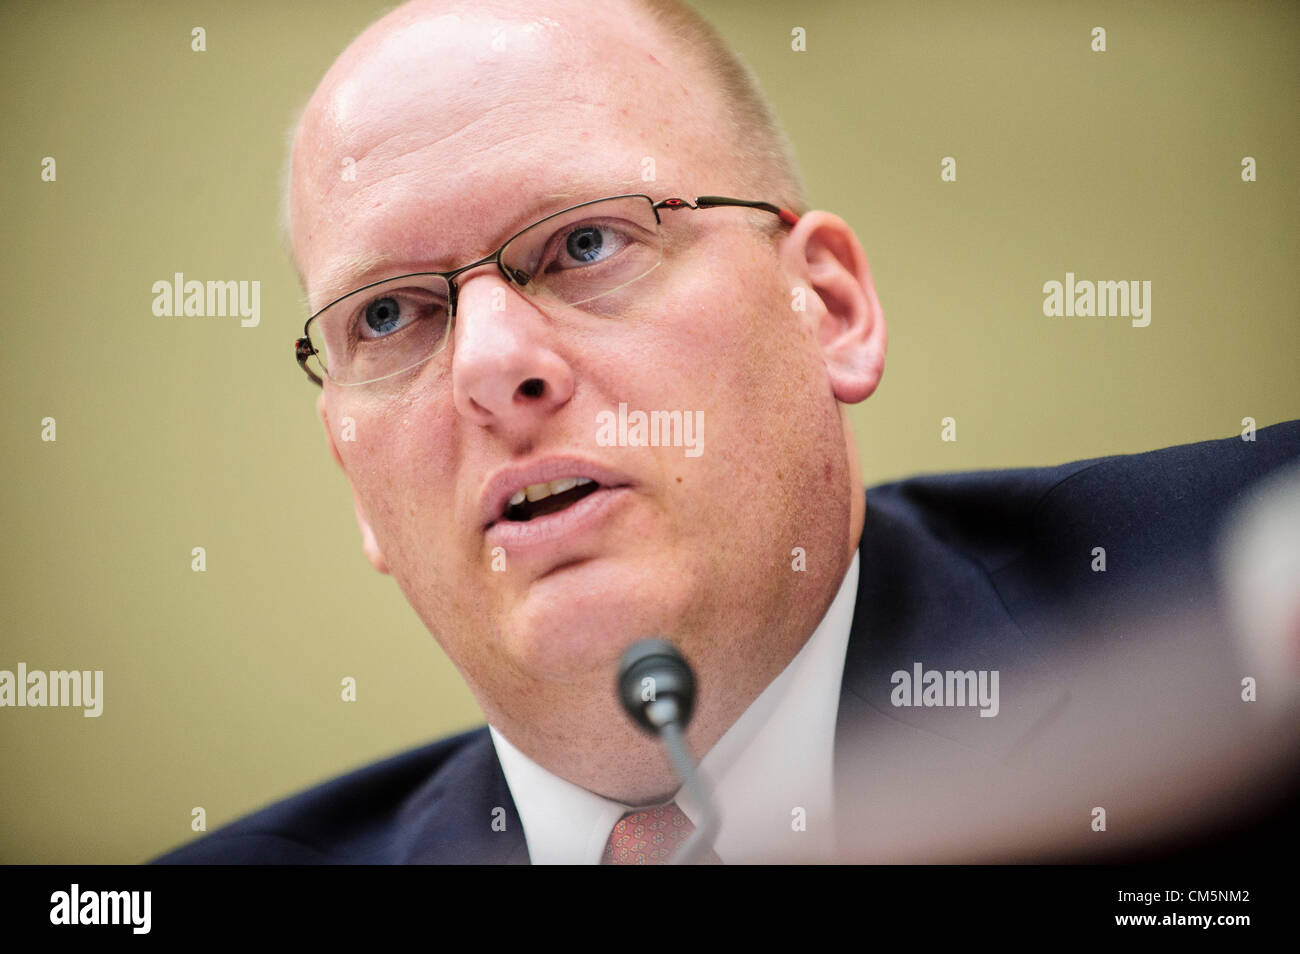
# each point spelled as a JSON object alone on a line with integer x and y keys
{"x": 573, "y": 257}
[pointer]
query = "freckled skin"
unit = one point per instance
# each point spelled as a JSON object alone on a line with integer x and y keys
{"x": 446, "y": 157}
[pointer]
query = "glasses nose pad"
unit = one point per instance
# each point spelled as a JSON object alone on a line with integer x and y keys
{"x": 516, "y": 275}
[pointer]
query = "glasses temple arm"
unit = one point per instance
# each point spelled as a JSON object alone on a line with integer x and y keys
{"x": 711, "y": 201}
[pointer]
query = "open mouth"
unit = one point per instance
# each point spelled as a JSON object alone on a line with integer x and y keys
{"x": 538, "y": 500}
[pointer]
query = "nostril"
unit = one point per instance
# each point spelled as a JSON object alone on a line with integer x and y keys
{"x": 532, "y": 388}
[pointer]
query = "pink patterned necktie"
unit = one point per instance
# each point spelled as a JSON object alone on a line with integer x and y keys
{"x": 649, "y": 836}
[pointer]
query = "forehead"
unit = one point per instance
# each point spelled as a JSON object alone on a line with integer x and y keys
{"x": 430, "y": 143}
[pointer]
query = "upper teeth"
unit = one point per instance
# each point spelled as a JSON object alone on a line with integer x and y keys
{"x": 538, "y": 491}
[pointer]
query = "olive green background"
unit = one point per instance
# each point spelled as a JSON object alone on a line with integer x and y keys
{"x": 222, "y": 688}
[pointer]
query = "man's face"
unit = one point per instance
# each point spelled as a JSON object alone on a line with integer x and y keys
{"x": 461, "y": 130}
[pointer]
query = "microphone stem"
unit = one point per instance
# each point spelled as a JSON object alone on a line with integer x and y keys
{"x": 701, "y": 840}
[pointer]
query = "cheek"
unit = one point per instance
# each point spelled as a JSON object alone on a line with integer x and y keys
{"x": 731, "y": 347}
{"x": 738, "y": 340}
{"x": 396, "y": 463}
{"x": 708, "y": 332}
{"x": 769, "y": 401}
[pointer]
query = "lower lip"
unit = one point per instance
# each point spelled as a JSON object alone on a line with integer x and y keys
{"x": 530, "y": 536}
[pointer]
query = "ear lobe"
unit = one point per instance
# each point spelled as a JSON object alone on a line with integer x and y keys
{"x": 369, "y": 544}
{"x": 823, "y": 252}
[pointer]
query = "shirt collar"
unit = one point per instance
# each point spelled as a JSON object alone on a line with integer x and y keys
{"x": 770, "y": 773}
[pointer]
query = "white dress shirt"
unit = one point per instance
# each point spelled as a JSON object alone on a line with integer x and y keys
{"x": 771, "y": 773}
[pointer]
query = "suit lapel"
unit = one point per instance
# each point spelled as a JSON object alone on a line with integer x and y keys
{"x": 464, "y": 814}
{"x": 920, "y": 601}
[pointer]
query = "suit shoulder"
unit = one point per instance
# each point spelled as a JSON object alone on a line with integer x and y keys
{"x": 1088, "y": 546}
{"x": 995, "y": 516}
{"x": 353, "y": 818}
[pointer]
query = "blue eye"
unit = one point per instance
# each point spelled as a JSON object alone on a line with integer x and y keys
{"x": 393, "y": 311}
{"x": 381, "y": 317}
{"x": 584, "y": 244}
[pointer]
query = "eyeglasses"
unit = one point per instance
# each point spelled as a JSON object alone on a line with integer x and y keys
{"x": 572, "y": 257}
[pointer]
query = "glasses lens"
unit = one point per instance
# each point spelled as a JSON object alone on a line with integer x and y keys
{"x": 382, "y": 330}
{"x": 582, "y": 254}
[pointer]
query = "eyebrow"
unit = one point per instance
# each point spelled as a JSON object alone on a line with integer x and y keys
{"x": 361, "y": 269}
{"x": 354, "y": 272}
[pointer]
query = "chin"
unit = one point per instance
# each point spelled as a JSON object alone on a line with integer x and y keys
{"x": 578, "y": 619}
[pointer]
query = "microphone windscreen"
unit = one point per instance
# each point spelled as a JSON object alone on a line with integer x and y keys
{"x": 652, "y": 670}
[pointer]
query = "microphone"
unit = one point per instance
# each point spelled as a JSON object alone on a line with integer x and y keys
{"x": 657, "y": 688}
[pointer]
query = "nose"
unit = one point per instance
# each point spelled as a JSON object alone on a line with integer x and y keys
{"x": 505, "y": 370}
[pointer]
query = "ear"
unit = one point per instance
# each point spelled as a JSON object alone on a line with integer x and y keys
{"x": 823, "y": 254}
{"x": 368, "y": 542}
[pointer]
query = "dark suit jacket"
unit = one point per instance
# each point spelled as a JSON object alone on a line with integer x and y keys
{"x": 961, "y": 571}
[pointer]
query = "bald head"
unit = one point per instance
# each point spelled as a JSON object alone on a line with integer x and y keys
{"x": 425, "y": 56}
